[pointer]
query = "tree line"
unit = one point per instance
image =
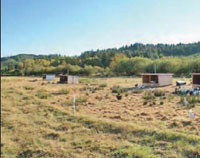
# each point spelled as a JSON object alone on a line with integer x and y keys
{"x": 180, "y": 59}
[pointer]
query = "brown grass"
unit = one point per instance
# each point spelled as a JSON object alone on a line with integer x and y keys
{"x": 38, "y": 121}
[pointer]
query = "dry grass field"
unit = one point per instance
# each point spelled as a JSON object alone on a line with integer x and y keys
{"x": 38, "y": 120}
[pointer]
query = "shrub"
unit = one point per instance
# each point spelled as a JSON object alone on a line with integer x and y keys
{"x": 92, "y": 89}
{"x": 161, "y": 102}
{"x": 117, "y": 89}
{"x": 148, "y": 96}
{"x": 170, "y": 97}
{"x": 159, "y": 93}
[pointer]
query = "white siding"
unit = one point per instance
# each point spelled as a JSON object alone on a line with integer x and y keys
{"x": 164, "y": 80}
{"x": 72, "y": 79}
{"x": 49, "y": 77}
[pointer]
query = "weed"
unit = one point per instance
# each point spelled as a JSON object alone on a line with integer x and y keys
{"x": 192, "y": 100}
{"x": 103, "y": 85}
{"x": 161, "y": 102}
{"x": 62, "y": 91}
{"x": 81, "y": 100}
{"x": 30, "y": 153}
{"x": 170, "y": 97}
{"x": 191, "y": 152}
{"x": 126, "y": 94}
{"x": 137, "y": 91}
{"x": 107, "y": 96}
{"x": 26, "y": 98}
{"x": 148, "y": 95}
{"x": 43, "y": 94}
{"x": 117, "y": 89}
{"x": 28, "y": 88}
{"x": 145, "y": 103}
{"x": 132, "y": 151}
{"x": 52, "y": 136}
{"x": 159, "y": 93}
{"x": 99, "y": 97}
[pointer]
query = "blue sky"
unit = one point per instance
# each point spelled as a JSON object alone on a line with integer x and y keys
{"x": 69, "y": 27}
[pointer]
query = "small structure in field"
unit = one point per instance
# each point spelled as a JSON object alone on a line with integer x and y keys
{"x": 180, "y": 83}
{"x": 68, "y": 79}
{"x": 196, "y": 79}
{"x": 156, "y": 79}
{"x": 48, "y": 77}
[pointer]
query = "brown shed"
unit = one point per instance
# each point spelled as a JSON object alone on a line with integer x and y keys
{"x": 157, "y": 79}
{"x": 68, "y": 79}
{"x": 196, "y": 79}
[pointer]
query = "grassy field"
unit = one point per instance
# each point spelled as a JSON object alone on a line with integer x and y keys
{"x": 38, "y": 120}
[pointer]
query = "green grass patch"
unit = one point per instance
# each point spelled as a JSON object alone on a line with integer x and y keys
{"x": 43, "y": 94}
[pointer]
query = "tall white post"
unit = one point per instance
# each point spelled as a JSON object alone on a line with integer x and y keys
{"x": 155, "y": 68}
{"x": 74, "y": 104}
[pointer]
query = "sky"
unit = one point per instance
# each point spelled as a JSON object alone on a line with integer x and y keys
{"x": 70, "y": 27}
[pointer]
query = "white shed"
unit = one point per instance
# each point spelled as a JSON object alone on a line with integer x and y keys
{"x": 48, "y": 77}
{"x": 157, "y": 79}
{"x": 69, "y": 79}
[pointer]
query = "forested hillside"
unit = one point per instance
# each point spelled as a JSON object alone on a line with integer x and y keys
{"x": 181, "y": 59}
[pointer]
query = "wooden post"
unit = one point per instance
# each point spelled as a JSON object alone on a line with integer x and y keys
{"x": 74, "y": 104}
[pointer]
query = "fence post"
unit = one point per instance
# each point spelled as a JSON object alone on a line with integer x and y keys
{"x": 74, "y": 104}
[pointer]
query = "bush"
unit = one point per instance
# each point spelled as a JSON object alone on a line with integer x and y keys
{"x": 148, "y": 96}
{"x": 92, "y": 89}
{"x": 159, "y": 93}
{"x": 161, "y": 102}
{"x": 170, "y": 97}
{"x": 117, "y": 89}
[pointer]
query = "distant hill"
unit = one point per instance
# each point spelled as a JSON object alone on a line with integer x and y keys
{"x": 133, "y": 50}
{"x": 150, "y": 50}
{"x": 28, "y": 56}
{"x": 126, "y": 60}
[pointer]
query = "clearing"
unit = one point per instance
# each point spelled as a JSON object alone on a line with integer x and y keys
{"x": 38, "y": 120}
